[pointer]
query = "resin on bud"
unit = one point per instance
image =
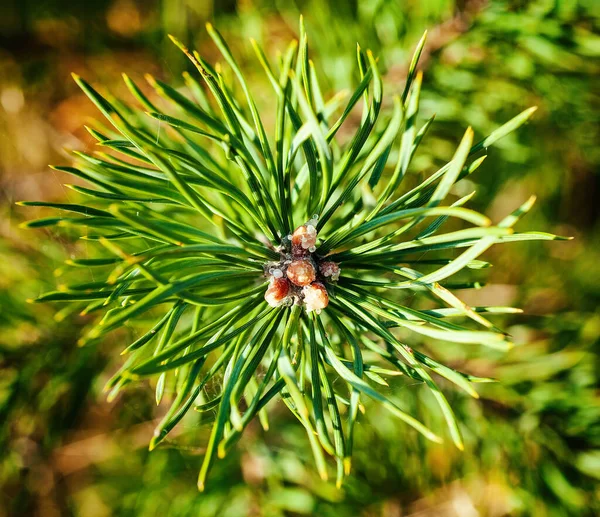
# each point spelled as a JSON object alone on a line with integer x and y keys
{"x": 330, "y": 270}
{"x": 304, "y": 238}
{"x": 276, "y": 272}
{"x": 315, "y": 297}
{"x": 277, "y": 291}
{"x": 301, "y": 272}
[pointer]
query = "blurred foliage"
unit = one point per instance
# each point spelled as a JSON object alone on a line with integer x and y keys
{"x": 532, "y": 441}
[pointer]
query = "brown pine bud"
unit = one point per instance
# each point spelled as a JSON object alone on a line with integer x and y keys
{"x": 330, "y": 270}
{"x": 301, "y": 272}
{"x": 315, "y": 297}
{"x": 277, "y": 292}
{"x": 304, "y": 239}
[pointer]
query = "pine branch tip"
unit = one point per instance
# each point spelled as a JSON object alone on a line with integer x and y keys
{"x": 252, "y": 238}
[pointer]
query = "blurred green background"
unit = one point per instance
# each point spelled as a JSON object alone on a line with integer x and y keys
{"x": 532, "y": 440}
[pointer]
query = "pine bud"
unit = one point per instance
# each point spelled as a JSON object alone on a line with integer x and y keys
{"x": 330, "y": 270}
{"x": 304, "y": 239}
{"x": 301, "y": 272}
{"x": 277, "y": 292}
{"x": 315, "y": 297}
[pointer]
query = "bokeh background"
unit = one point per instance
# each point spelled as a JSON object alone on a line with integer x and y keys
{"x": 532, "y": 440}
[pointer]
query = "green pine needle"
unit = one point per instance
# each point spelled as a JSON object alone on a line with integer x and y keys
{"x": 190, "y": 203}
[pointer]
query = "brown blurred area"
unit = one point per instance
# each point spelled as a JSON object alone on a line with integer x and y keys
{"x": 43, "y": 111}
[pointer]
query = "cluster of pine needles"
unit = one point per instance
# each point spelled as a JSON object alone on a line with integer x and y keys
{"x": 183, "y": 225}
